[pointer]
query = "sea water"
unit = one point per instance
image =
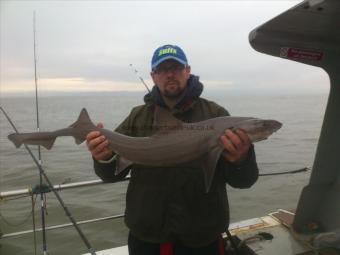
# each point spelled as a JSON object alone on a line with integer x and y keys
{"x": 292, "y": 147}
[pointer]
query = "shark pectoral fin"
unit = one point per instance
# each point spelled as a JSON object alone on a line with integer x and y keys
{"x": 208, "y": 164}
{"x": 122, "y": 164}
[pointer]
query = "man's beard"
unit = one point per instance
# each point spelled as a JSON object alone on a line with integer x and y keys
{"x": 173, "y": 93}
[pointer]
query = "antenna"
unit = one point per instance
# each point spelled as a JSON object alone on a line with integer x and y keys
{"x": 141, "y": 79}
{"x": 42, "y": 200}
{"x": 41, "y": 170}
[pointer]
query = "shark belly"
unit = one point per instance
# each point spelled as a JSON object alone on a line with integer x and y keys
{"x": 163, "y": 150}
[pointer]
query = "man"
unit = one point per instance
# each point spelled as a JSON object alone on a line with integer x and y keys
{"x": 168, "y": 210}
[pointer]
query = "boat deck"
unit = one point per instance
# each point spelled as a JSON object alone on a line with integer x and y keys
{"x": 275, "y": 226}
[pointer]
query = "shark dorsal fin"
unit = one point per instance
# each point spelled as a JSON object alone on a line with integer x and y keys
{"x": 164, "y": 121}
{"x": 83, "y": 118}
{"x": 83, "y": 123}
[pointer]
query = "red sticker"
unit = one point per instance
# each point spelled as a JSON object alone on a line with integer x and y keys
{"x": 301, "y": 54}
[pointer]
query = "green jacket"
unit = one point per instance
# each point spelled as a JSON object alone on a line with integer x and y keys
{"x": 170, "y": 203}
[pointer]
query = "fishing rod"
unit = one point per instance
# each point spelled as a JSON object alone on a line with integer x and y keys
{"x": 50, "y": 185}
{"x": 140, "y": 78}
{"x": 42, "y": 200}
{"x": 304, "y": 169}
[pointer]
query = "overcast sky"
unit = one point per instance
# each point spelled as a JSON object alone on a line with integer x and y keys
{"x": 89, "y": 45}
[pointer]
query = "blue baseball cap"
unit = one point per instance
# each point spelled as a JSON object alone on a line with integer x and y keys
{"x": 168, "y": 52}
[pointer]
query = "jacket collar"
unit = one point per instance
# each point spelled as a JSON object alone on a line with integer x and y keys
{"x": 190, "y": 95}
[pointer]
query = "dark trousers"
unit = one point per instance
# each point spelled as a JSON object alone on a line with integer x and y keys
{"x": 139, "y": 247}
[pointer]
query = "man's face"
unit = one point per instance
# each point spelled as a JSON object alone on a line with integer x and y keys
{"x": 171, "y": 78}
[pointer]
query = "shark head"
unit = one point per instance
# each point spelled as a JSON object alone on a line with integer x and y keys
{"x": 258, "y": 129}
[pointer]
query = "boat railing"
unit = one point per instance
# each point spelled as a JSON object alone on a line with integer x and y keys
{"x": 8, "y": 195}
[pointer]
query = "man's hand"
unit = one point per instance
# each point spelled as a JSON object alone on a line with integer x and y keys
{"x": 97, "y": 144}
{"x": 236, "y": 145}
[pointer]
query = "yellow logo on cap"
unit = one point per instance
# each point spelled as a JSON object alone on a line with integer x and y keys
{"x": 167, "y": 50}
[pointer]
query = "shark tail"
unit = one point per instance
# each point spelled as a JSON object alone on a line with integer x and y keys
{"x": 15, "y": 138}
{"x": 30, "y": 138}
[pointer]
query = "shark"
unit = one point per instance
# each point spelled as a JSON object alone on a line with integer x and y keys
{"x": 173, "y": 142}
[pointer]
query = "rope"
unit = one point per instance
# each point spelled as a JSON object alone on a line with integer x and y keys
{"x": 232, "y": 242}
{"x": 304, "y": 241}
{"x": 45, "y": 203}
{"x": 34, "y": 226}
{"x": 304, "y": 169}
{"x": 12, "y": 224}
